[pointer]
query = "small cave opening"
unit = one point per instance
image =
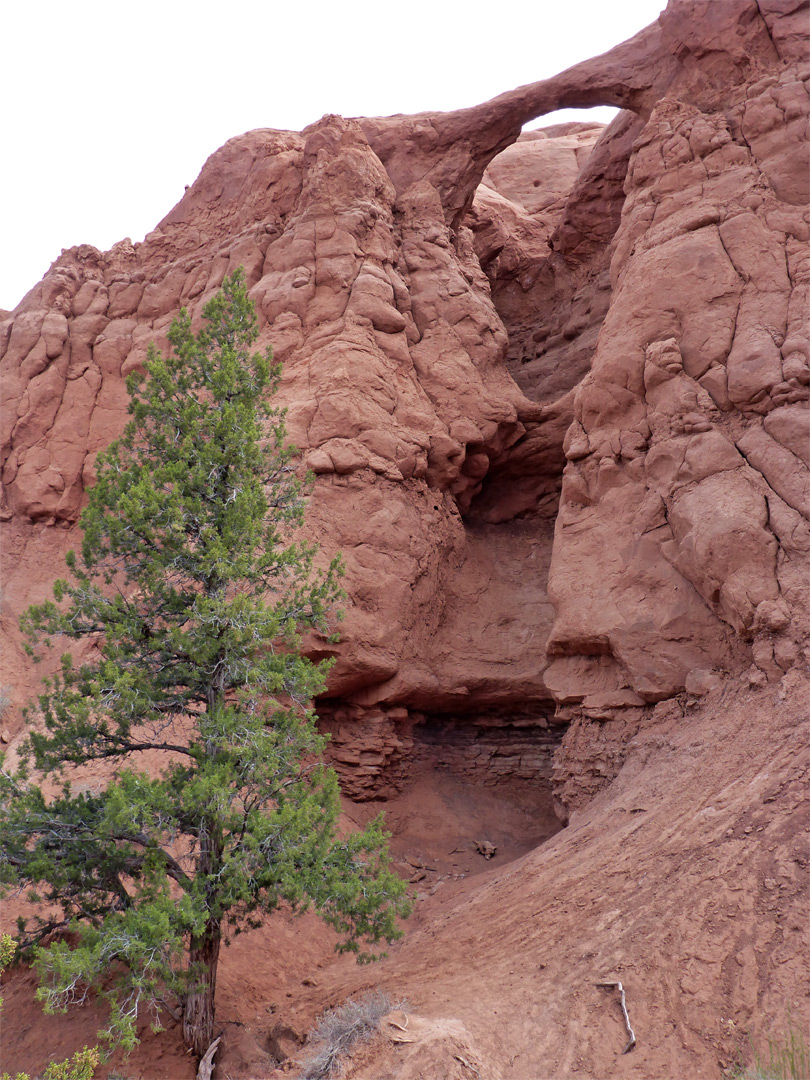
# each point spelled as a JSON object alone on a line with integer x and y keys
{"x": 461, "y": 792}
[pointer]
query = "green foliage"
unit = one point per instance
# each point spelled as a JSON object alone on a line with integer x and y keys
{"x": 81, "y": 1066}
{"x": 193, "y": 590}
{"x": 8, "y": 948}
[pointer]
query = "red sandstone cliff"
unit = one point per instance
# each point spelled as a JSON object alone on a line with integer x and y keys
{"x": 554, "y": 388}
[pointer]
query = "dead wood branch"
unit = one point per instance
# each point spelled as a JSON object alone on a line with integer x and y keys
{"x": 631, "y": 1035}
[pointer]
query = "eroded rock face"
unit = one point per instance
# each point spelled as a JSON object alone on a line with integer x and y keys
{"x": 611, "y": 323}
{"x": 677, "y": 483}
{"x": 547, "y": 254}
{"x": 393, "y": 375}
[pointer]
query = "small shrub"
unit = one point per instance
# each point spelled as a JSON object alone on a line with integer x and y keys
{"x": 83, "y": 1064}
{"x": 340, "y": 1029}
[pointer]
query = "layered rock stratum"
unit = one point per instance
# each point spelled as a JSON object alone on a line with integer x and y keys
{"x": 554, "y": 389}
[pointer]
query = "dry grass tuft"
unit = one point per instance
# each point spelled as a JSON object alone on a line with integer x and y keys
{"x": 338, "y": 1030}
{"x": 788, "y": 1058}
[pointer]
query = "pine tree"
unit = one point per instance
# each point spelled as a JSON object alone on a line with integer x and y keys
{"x": 193, "y": 590}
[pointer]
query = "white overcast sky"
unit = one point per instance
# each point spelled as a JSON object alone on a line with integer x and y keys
{"x": 110, "y": 108}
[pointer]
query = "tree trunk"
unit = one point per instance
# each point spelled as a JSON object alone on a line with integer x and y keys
{"x": 198, "y": 1012}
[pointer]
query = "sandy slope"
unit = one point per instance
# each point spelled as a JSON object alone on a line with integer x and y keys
{"x": 686, "y": 879}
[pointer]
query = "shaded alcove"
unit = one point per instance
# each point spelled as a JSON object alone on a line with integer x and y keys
{"x": 468, "y": 792}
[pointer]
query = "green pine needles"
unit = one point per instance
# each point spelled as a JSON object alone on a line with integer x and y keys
{"x": 192, "y": 590}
